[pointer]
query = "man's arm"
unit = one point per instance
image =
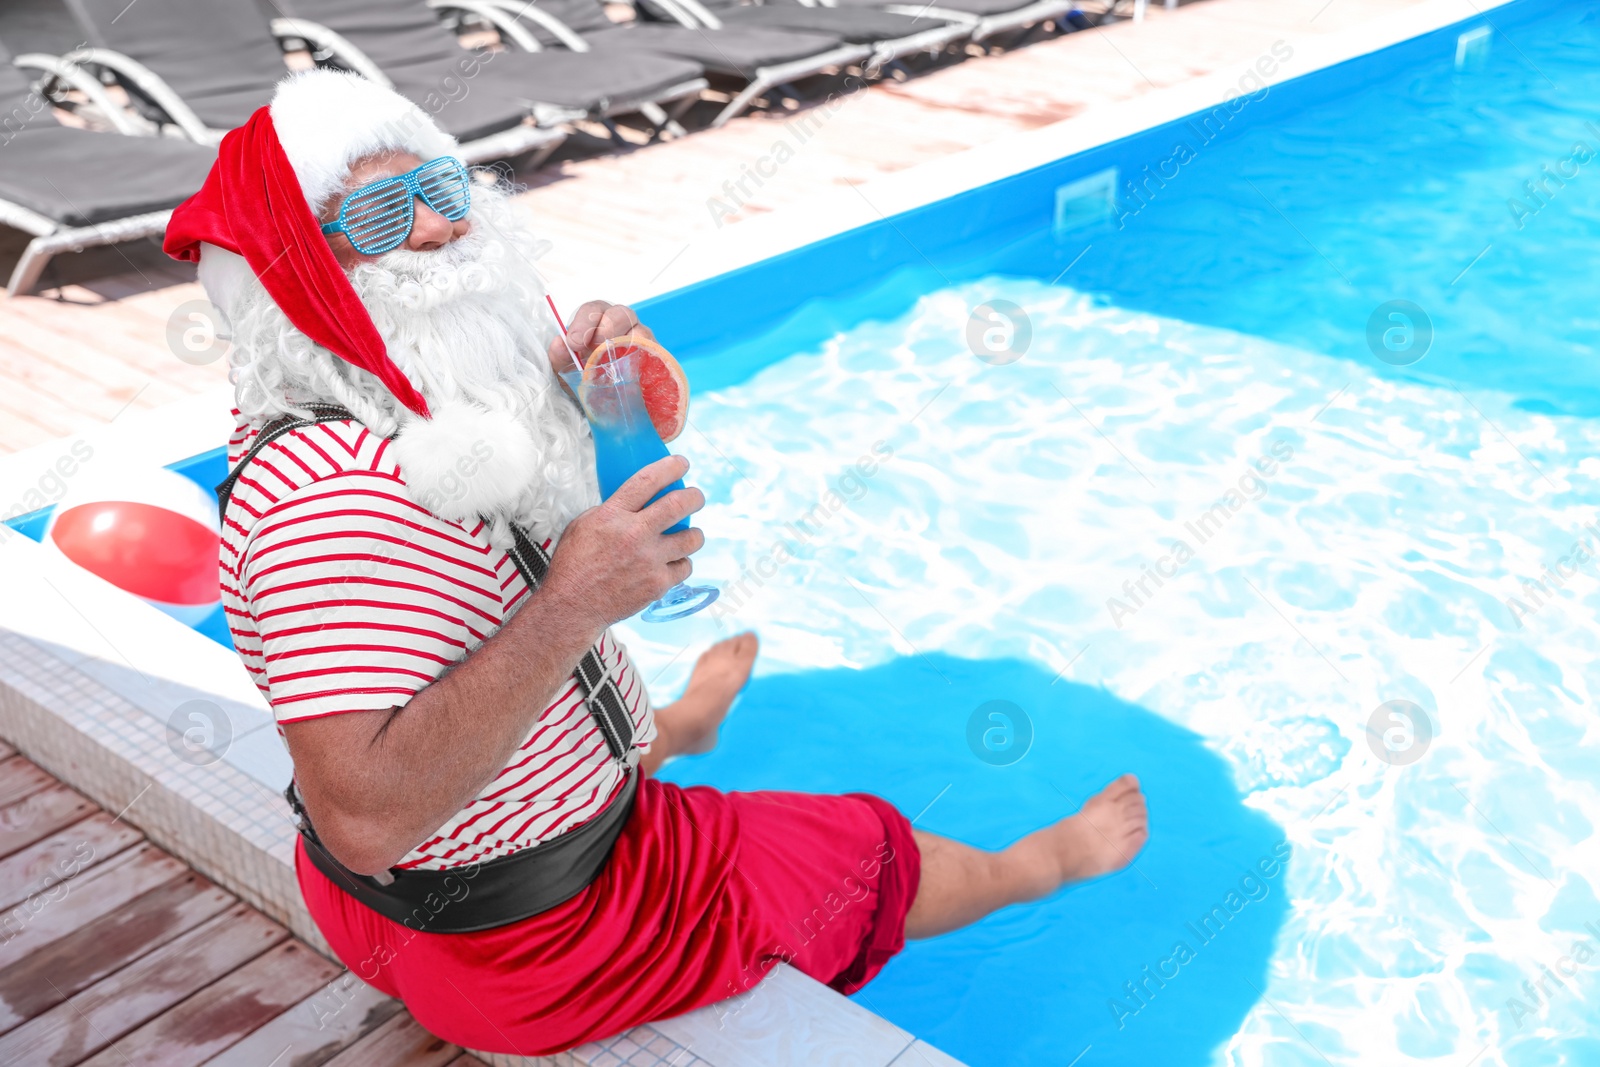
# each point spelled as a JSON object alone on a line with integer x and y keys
{"x": 377, "y": 783}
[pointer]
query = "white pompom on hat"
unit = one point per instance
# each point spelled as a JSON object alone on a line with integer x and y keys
{"x": 466, "y": 460}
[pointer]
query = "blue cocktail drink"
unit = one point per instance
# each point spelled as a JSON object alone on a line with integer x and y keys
{"x": 626, "y": 446}
{"x": 625, "y": 442}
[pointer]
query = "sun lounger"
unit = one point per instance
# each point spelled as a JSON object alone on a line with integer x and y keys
{"x": 755, "y": 58}
{"x": 203, "y": 66}
{"x": 73, "y": 189}
{"x": 985, "y": 18}
{"x": 404, "y": 43}
{"x": 891, "y": 34}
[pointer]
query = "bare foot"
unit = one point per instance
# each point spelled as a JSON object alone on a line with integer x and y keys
{"x": 1104, "y": 836}
{"x": 689, "y": 726}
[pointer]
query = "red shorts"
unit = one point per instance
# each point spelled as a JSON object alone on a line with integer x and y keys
{"x": 704, "y": 893}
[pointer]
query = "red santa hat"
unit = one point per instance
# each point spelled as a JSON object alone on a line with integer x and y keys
{"x": 258, "y": 212}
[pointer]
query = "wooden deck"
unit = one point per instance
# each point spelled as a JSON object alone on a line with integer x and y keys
{"x": 94, "y": 344}
{"x": 114, "y": 954}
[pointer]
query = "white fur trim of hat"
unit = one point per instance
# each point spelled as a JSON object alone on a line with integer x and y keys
{"x": 328, "y": 119}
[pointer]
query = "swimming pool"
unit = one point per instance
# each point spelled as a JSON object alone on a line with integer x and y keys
{"x": 920, "y": 534}
{"x": 1364, "y": 729}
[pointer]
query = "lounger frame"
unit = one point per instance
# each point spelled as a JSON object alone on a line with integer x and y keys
{"x": 932, "y": 41}
{"x": 982, "y": 27}
{"x": 58, "y": 69}
{"x": 543, "y": 138}
{"x": 764, "y": 78}
{"x": 51, "y": 238}
{"x": 513, "y": 33}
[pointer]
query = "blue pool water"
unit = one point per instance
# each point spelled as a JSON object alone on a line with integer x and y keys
{"x": 917, "y": 533}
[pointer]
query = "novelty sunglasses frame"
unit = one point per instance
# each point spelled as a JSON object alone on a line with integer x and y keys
{"x": 392, "y": 226}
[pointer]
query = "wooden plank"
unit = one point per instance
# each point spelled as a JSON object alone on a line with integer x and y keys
{"x": 316, "y": 1029}
{"x": 138, "y": 993}
{"x": 102, "y": 889}
{"x": 223, "y": 1013}
{"x": 20, "y": 778}
{"x": 75, "y": 962}
{"x": 467, "y": 1059}
{"x": 400, "y": 1042}
{"x": 63, "y": 855}
{"x": 39, "y": 816}
{"x": 91, "y": 350}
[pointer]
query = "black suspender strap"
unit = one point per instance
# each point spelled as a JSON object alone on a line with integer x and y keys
{"x": 510, "y": 888}
{"x": 600, "y": 694}
{"x": 599, "y": 689}
{"x": 320, "y": 413}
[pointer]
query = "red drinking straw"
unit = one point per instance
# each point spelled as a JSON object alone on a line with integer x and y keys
{"x": 560, "y": 325}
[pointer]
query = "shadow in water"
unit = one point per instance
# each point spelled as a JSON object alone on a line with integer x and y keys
{"x": 1038, "y": 983}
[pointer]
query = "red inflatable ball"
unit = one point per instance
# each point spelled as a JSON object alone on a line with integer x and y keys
{"x": 150, "y": 532}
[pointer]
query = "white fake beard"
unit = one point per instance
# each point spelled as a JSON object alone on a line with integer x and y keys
{"x": 467, "y": 325}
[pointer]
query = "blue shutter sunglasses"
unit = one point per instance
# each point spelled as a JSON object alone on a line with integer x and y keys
{"x": 378, "y": 217}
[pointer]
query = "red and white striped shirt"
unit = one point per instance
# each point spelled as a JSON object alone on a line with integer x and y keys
{"x": 343, "y": 594}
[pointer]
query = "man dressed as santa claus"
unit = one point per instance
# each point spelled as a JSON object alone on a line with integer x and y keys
{"x": 420, "y": 576}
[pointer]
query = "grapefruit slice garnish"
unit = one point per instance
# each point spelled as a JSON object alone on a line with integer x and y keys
{"x": 661, "y": 380}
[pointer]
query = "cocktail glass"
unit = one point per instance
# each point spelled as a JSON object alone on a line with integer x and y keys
{"x": 625, "y": 442}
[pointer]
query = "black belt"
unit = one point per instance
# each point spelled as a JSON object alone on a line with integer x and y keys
{"x": 479, "y": 896}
